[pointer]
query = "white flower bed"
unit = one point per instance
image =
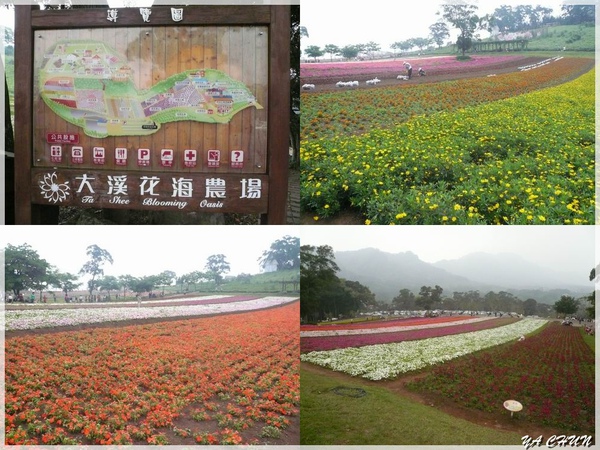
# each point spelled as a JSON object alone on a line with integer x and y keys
{"x": 377, "y": 330}
{"x": 377, "y": 362}
{"x": 30, "y": 319}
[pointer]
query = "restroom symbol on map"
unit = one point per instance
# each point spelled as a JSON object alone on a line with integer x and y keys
{"x": 121, "y": 156}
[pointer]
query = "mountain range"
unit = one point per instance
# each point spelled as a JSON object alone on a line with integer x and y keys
{"x": 386, "y": 273}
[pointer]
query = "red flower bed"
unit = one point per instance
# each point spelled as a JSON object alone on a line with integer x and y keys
{"x": 309, "y": 344}
{"x": 384, "y": 323}
{"x": 217, "y": 380}
{"x": 551, "y": 374}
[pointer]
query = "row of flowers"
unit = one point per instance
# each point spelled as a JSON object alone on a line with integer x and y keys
{"x": 30, "y": 319}
{"x": 551, "y": 374}
{"x": 309, "y": 344}
{"x": 523, "y": 160}
{"x": 345, "y": 113}
{"x": 438, "y": 64}
{"x": 201, "y": 300}
{"x": 403, "y": 321}
{"x": 215, "y": 380}
{"x": 384, "y": 361}
{"x": 390, "y": 328}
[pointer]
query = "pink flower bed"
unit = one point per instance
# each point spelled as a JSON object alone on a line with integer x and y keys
{"x": 309, "y": 344}
{"x": 384, "y": 323}
{"x": 440, "y": 65}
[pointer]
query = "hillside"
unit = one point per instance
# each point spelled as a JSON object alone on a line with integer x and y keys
{"x": 386, "y": 274}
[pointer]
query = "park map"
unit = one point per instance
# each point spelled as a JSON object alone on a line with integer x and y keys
{"x": 90, "y": 85}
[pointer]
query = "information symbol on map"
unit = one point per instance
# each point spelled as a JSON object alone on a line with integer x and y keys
{"x": 143, "y": 157}
{"x": 237, "y": 159}
{"x": 77, "y": 155}
{"x": 56, "y": 153}
{"x": 166, "y": 157}
{"x": 99, "y": 155}
{"x": 121, "y": 156}
{"x": 214, "y": 158}
{"x": 190, "y": 158}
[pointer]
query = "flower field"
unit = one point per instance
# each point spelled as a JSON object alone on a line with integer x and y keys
{"x": 384, "y": 361}
{"x": 344, "y": 113}
{"x": 323, "y": 330}
{"x": 230, "y": 379}
{"x": 391, "y": 68}
{"x": 528, "y": 159}
{"x": 551, "y": 373}
{"x": 395, "y": 334}
{"x": 43, "y": 318}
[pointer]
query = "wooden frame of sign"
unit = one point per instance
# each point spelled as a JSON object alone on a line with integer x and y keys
{"x": 163, "y": 112}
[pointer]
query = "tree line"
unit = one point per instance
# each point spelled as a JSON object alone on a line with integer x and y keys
{"x": 464, "y": 18}
{"x": 324, "y": 295}
{"x": 25, "y": 271}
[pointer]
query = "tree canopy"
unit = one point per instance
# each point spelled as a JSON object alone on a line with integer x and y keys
{"x": 284, "y": 252}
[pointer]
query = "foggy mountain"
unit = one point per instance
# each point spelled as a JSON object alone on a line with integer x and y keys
{"x": 386, "y": 273}
{"x": 511, "y": 270}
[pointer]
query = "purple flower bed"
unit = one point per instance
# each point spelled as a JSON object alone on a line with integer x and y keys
{"x": 443, "y": 64}
{"x": 309, "y": 344}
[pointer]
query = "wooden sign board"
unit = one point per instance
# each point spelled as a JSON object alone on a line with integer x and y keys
{"x": 118, "y": 112}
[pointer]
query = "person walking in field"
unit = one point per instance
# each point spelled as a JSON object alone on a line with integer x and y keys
{"x": 408, "y": 68}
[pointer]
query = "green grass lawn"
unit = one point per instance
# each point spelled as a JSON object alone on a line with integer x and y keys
{"x": 381, "y": 418}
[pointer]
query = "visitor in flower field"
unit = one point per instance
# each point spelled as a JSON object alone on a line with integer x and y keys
{"x": 421, "y": 72}
{"x": 408, "y": 69}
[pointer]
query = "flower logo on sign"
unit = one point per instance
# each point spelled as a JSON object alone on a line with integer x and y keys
{"x": 52, "y": 190}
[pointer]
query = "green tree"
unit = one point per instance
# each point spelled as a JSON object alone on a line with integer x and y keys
{"x": 313, "y": 51}
{"x": 349, "y": 51}
{"x": 405, "y": 300}
{"x": 428, "y": 297}
{"x": 358, "y": 298}
{"x": 109, "y": 283}
{"x": 439, "y": 33}
{"x": 577, "y": 14}
{"x": 332, "y": 50}
{"x": 24, "y": 269}
{"x": 125, "y": 282}
{"x": 530, "y": 307}
{"x": 97, "y": 258}
{"x": 217, "y": 266}
{"x": 165, "y": 278}
{"x": 284, "y": 252}
{"x": 566, "y": 306}
{"x": 421, "y": 43}
{"x": 67, "y": 282}
{"x": 463, "y": 17}
{"x": 317, "y": 275}
{"x": 370, "y": 48}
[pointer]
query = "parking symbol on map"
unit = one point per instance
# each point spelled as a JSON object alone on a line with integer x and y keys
{"x": 143, "y": 156}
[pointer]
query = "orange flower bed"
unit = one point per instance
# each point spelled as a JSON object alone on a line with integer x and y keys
{"x": 218, "y": 380}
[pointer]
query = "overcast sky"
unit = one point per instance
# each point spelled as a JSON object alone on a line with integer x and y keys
{"x": 343, "y": 22}
{"x": 149, "y": 250}
{"x": 568, "y": 248}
